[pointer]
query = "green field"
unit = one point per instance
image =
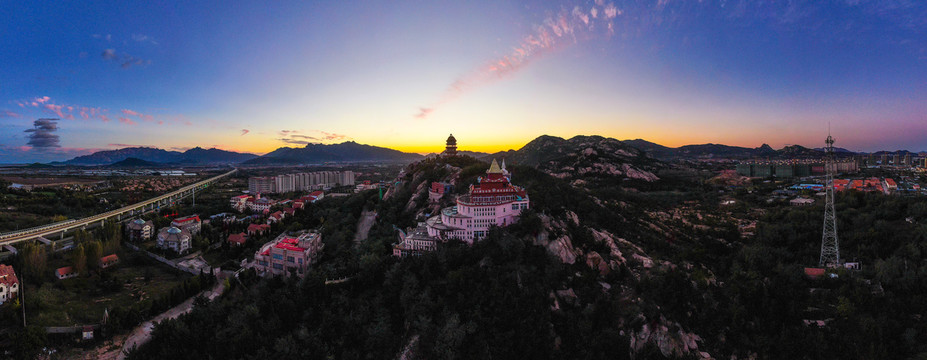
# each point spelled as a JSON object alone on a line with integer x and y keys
{"x": 82, "y": 300}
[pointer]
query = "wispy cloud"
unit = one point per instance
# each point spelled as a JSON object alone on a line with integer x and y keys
{"x": 127, "y": 121}
{"x": 144, "y": 38}
{"x": 244, "y": 131}
{"x": 8, "y": 113}
{"x": 126, "y": 145}
{"x": 123, "y": 59}
{"x": 309, "y": 137}
{"x": 555, "y": 32}
{"x": 42, "y": 134}
{"x": 65, "y": 111}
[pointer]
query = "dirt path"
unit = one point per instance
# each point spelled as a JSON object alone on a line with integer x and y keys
{"x": 363, "y": 226}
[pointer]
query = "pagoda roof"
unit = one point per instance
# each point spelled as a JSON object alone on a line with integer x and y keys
{"x": 494, "y": 168}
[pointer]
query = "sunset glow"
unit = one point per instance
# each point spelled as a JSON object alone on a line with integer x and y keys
{"x": 497, "y": 75}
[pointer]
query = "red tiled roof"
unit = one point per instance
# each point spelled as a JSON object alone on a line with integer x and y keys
{"x": 187, "y": 219}
{"x": 258, "y": 227}
{"x": 109, "y": 258}
{"x": 814, "y": 272}
{"x": 65, "y": 270}
{"x": 8, "y": 275}
{"x": 237, "y": 238}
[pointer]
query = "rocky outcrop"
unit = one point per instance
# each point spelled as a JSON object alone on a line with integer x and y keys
{"x": 669, "y": 338}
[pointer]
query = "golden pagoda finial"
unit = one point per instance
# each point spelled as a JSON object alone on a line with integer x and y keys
{"x": 494, "y": 168}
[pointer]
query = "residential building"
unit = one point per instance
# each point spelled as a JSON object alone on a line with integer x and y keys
{"x": 175, "y": 239}
{"x": 493, "y": 201}
{"x": 139, "y": 230}
{"x": 277, "y": 216}
{"x": 262, "y": 185}
{"x": 300, "y": 182}
{"x": 9, "y": 283}
{"x": 415, "y": 243}
{"x": 109, "y": 260}
{"x": 66, "y": 272}
{"x": 258, "y": 229}
{"x": 260, "y": 204}
{"x": 438, "y": 189}
{"x": 801, "y": 202}
{"x": 190, "y": 223}
{"x": 287, "y": 255}
{"x": 237, "y": 239}
{"x": 239, "y": 202}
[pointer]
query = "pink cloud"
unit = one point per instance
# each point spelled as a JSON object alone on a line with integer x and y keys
{"x": 244, "y": 131}
{"x": 126, "y": 120}
{"x": 42, "y": 100}
{"x": 130, "y": 112}
{"x": 554, "y": 33}
{"x": 7, "y": 113}
{"x": 103, "y": 117}
{"x": 54, "y": 109}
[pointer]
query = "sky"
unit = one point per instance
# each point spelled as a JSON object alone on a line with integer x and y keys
{"x": 253, "y": 77}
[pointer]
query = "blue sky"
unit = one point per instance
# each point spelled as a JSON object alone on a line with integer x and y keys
{"x": 253, "y": 77}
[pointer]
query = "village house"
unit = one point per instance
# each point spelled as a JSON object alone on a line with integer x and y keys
{"x": 175, "y": 239}
{"x": 66, "y": 272}
{"x": 237, "y": 239}
{"x": 139, "y": 230}
{"x": 9, "y": 283}
{"x": 258, "y": 229}
{"x": 109, "y": 260}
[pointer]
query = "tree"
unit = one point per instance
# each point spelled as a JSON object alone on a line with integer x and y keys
{"x": 94, "y": 251}
{"x": 35, "y": 260}
{"x": 79, "y": 259}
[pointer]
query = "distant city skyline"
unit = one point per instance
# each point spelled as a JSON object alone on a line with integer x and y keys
{"x": 253, "y": 77}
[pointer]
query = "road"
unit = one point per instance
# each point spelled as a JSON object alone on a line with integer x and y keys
{"x": 142, "y": 333}
{"x": 13, "y": 237}
{"x": 363, "y": 226}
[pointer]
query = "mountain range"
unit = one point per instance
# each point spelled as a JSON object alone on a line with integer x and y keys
{"x": 540, "y": 150}
{"x": 194, "y": 156}
{"x": 344, "y": 152}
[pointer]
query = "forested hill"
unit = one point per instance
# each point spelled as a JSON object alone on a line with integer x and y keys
{"x": 584, "y": 158}
{"x": 587, "y": 273}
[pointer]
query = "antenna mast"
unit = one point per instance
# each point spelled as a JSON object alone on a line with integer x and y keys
{"x": 830, "y": 250}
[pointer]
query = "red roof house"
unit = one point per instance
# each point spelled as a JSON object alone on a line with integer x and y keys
{"x": 237, "y": 239}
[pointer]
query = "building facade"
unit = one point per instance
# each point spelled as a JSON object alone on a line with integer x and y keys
{"x": 140, "y": 230}
{"x": 175, "y": 239}
{"x": 493, "y": 201}
{"x": 9, "y": 283}
{"x": 190, "y": 223}
{"x": 287, "y": 255}
{"x": 416, "y": 242}
{"x": 317, "y": 180}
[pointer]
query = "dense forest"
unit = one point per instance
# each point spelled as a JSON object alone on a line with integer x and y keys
{"x": 508, "y": 297}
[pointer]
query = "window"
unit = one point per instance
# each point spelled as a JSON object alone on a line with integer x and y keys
{"x": 290, "y": 259}
{"x": 300, "y": 261}
{"x": 278, "y": 257}
{"x": 278, "y": 266}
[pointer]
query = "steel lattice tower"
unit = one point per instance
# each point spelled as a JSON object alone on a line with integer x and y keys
{"x": 830, "y": 250}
